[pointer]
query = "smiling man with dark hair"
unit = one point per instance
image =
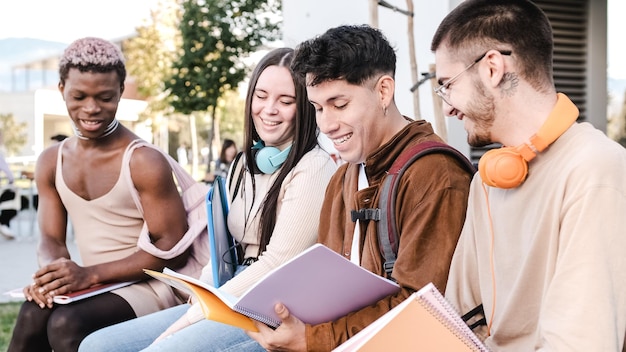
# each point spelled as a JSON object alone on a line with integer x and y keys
{"x": 349, "y": 73}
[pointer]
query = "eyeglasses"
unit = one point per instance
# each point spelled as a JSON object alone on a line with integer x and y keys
{"x": 443, "y": 90}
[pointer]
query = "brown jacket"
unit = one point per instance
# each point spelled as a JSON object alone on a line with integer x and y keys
{"x": 431, "y": 204}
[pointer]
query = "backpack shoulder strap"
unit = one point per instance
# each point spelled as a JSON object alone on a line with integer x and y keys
{"x": 237, "y": 169}
{"x": 386, "y": 226}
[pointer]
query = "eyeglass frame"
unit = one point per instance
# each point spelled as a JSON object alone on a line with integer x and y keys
{"x": 442, "y": 90}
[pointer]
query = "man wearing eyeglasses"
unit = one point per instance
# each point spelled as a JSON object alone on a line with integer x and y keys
{"x": 542, "y": 245}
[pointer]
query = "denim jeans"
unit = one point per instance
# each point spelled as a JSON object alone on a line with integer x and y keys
{"x": 132, "y": 335}
{"x": 137, "y": 335}
{"x": 207, "y": 335}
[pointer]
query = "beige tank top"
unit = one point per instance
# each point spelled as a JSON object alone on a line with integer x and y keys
{"x": 107, "y": 229}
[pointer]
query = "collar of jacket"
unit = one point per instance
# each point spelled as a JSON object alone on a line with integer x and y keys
{"x": 379, "y": 161}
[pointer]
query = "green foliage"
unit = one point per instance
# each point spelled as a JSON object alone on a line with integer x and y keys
{"x": 216, "y": 36}
{"x": 148, "y": 62}
{"x": 150, "y": 56}
{"x": 230, "y": 112}
{"x": 8, "y": 314}
{"x": 13, "y": 135}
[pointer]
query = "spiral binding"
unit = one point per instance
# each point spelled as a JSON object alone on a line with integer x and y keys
{"x": 256, "y": 316}
{"x": 437, "y": 305}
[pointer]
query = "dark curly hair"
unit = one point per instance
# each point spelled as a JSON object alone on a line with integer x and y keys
{"x": 355, "y": 53}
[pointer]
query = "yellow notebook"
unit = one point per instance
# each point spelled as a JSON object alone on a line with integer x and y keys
{"x": 317, "y": 286}
{"x": 423, "y": 322}
{"x": 219, "y": 311}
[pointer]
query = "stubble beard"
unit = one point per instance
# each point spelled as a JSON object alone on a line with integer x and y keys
{"x": 481, "y": 110}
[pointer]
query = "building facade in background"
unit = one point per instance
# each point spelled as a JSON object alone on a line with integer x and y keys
{"x": 580, "y": 64}
{"x": 580, "y": 59}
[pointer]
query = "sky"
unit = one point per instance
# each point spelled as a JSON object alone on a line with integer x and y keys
{"x": 67, "y": 20}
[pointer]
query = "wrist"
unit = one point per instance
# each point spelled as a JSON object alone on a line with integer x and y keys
{"x": 93, "y": 277}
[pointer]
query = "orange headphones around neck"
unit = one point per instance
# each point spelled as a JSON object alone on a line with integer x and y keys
{"x": 507, "y": 167}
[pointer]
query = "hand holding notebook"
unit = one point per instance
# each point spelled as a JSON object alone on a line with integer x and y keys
{"x": 298, "y": 284}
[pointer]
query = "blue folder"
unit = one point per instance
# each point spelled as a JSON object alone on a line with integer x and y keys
{"x": 221, "y": 243}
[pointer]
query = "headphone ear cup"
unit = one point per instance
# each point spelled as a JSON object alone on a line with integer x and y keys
{"x": 503, "y": 168}
{"x": 263, "y": 162}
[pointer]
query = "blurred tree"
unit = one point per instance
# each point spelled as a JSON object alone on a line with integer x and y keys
{"x": 230, "y": 113}
{"x": 150, "y": 56}
{"x": 620, "y": 121}
{"x": 616, "y": 119}
{"x": 217, "y": 35}
{"x": 13, "y": 136}
{"x": 231, "y": 116}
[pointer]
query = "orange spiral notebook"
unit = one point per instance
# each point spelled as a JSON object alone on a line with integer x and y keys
{"x": 425, "y": 321}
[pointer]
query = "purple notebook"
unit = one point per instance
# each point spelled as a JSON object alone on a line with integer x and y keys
{"x": 316, "y": 286}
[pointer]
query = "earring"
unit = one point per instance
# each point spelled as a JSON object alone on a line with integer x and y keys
{"x": 385, "y": 110}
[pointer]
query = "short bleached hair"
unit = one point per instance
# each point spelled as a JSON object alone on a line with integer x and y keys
{"x": 92, "y": 55}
